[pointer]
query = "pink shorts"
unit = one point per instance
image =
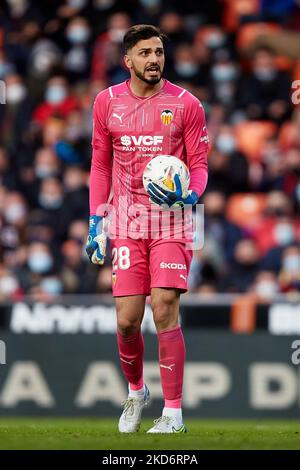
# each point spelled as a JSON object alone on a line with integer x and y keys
{"x": 139, "y": 265}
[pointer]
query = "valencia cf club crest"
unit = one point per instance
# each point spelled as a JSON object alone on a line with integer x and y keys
{"x": 114, "y": 278}
{"x": 166, "y": 117}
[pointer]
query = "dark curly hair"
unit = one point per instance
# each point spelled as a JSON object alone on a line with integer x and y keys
{"x": 141, "y": 31}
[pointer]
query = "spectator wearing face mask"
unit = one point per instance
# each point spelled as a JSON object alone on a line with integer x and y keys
{"x": 39, "y": 264}
{"x": 46, "y": 163}
{"x": 268, "y": 174}
{"x": 15, "y": 115}
{"x": 44, "y": 56}
{"x": 265, "y": 92}
{"x": 40, "y": 231}
{"x": 244, "y": 267}
{"x": 75, "y": 204}
{"x": 71, "y": 8}
{"x": 172, "y": 23}
{"x": 227, "y": 165}
{"x": 72, "y": 147}
{"x": 25, "y": 19}
{"x": 207, "y": 265}
{"x": 224, "y": 79}
{"x": 284, "y": 232}
{"x": 78, "y": 55}
{"x": 40, "y": 260}
{"x": 31, "y": 166}
{"x": 217, "y": 227}
{"x": 187, "y": 70}
{"x": 58, "y": 101}
{"x": 15, "y": 210}
{"x": 50, "y": 200}
{"x": 277, "y": 229}
{"x": 107, "y": 51}
{"x": 289, "y": 276}
{"x": 78, "y": 276}
{"x": 148, "y": 11}
{"x": 78, "y": 231}
{"x": 265, "y": 286}
{"x": 213, "y": 36}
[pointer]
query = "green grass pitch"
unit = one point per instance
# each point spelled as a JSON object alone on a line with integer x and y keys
{"x": 81, "y": 434}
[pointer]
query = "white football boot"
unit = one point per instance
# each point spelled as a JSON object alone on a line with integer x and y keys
{"x": 167, "y": 425}
{"x": 130, "y": 419}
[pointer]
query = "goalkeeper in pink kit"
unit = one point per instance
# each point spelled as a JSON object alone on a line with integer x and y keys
{"x": 134, "y": 122}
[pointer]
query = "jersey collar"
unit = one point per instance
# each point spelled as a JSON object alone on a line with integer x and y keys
{"x": 145, "y": 97}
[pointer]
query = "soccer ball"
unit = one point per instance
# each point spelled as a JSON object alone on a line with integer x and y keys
{"x": 162, "y": 169}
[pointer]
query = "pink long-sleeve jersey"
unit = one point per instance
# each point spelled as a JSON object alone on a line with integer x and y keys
{"x": 129, "y": 130}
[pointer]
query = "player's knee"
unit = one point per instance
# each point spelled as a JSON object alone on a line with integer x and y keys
{"x": 128, "y": 327}
{"x": 164, "y": 323}
{"x": 162, "y": 302}
{"x": 165, "y": 314}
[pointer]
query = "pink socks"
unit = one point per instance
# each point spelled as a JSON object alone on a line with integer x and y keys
{"x": 171, "y": 363}
{"x": 131, "y": 352}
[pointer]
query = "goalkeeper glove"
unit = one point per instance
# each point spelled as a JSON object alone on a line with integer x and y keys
{"x": 96, "y": 241}
{"x": 177, "y": 198}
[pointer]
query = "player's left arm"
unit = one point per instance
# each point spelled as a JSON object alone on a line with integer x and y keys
{"x": 196, "y": 146}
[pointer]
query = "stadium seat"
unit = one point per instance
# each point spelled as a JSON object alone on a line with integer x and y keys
{"x": 296, "y": 71}
{"x": 284, "y": 63}
{"x": 249, "y": 32}
{"x": 246, "y": 209}
{"x": 235, "y": 9}
{"x": 243, "y": 314}
{"x": 251, "y": 135}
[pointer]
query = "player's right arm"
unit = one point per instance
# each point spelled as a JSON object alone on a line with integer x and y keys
{"x": 100, "y": 179}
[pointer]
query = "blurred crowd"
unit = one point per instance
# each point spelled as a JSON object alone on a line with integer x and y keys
{"x": 240, "y": 57}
